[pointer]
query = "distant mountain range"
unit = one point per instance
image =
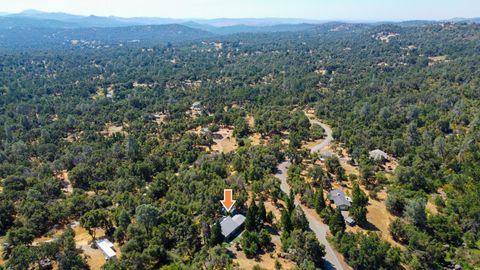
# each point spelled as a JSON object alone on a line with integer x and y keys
{"x": 37, "y": 29}
{"x": 39, "y": 19}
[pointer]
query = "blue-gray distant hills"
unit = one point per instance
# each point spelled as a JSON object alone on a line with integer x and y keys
{"x": 39, "y": 19}
{"x": 37, "y": 29}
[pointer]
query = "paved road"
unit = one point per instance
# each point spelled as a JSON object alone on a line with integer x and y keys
{"x": 332, "y": 261}
{"x": 328, "y": 139}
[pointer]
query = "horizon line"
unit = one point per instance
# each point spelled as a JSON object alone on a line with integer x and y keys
{"x": 4, "y": 13}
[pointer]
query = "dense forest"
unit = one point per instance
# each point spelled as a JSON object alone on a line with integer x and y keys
{"x": 154, "y": 186}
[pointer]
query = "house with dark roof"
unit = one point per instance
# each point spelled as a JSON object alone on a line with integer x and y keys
{"x": 232, "y": 226}
{"x": 339, "y": 199}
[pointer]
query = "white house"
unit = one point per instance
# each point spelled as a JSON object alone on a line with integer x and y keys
{"x": 107, "y": 248}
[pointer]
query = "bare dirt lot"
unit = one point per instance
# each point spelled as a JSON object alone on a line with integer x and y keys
{"x": 256, "y": 139}
{"x": 226, "y": 142}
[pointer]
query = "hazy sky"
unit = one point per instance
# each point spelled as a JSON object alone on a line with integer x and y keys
{"x": 311, "y": 9}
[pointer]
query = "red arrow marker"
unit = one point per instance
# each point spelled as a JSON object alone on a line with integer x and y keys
{"x": 228, "y": 201}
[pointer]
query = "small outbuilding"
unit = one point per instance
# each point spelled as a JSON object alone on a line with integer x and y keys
{"x": 107, "y": 248}
{"x": 350, "y": 221}
{"x": 338, "y": 197}
{"x": 232, "y": 226}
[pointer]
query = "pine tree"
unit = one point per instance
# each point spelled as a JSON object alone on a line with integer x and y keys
{"x": 286, "y": 221}
{"x": 319, "y": 202}
{"x": 359, "y": 198}
{"x": 251, "y": 218}
{"x": 359, "y": 214}
{"x": 336, "y": 222}
{"x": 359, "y": 204}
{"x": 216, "y": 236}
{"x": 262, "y": 212}
{"x": 290, "y": 201}
{"x": 299, "y": 220}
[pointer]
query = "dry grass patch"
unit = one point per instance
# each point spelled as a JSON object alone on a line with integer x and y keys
{"x": 63, "y": 177}
{"x": 256, "y": 139}
{"x": 224, "y": 141}
{"x": 250, "y": 121}
{"x": 266, "y": 261}
{"x": 378, "y": 215}
{"x": 73, "y": 137}
{"x": 111, "y": 129}
{"x": 437, "y": 59}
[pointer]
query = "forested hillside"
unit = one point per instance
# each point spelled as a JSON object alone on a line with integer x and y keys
{"x": 109, "y": 139}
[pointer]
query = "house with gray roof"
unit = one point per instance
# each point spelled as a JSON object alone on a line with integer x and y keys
{"x": 232, "y": 226}
{"x": 338, "y": 197}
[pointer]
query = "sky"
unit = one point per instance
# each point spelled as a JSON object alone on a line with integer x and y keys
{"x": 369, "y": 10}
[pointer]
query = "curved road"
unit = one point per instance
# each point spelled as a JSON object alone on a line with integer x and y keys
{"x": 331, "y": 260}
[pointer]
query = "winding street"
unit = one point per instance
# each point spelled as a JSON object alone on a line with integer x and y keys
{"x": 331, "y": 260}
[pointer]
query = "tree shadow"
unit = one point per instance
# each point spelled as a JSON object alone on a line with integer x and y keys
{"x": 369, "y": 226}
{"x": 328, "y": 265}
{"x": 272, "y": 230}
{"x": 231, "y": 254}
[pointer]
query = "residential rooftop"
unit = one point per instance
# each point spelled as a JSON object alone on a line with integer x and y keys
{"x": 231, "y": 225}
{"x": 107, "y": 248}
{"x": 339, "y": 199}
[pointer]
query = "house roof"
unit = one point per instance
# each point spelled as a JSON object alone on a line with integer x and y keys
{"x": 229, "y": 224}
{"x": 107, "y": 247}
{"x": 338, "y": 198}
{"x": 378, "y": 154}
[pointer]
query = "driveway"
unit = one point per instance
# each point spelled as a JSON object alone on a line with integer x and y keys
{"x": 331, "y": 260}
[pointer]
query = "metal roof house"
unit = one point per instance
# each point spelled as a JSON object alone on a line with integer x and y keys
{"x": 339, "y": 199}
{"x": 231, "y": 226}
{"x": 107, "y": 248}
